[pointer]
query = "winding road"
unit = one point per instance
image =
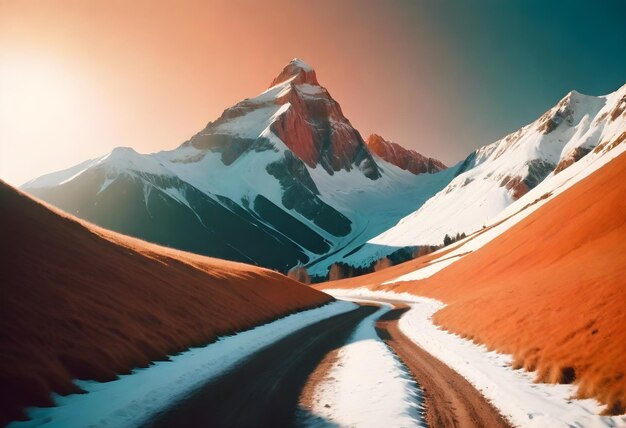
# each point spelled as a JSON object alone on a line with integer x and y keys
{"x": 264, "y": 390}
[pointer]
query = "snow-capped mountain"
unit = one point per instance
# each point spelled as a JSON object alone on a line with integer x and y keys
{"x": 495, "y": 176}
{"x": 403, "y": 158}
{"x": 277, "y": 180}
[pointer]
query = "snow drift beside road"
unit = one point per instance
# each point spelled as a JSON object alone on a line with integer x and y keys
{"x": 513, "y": 392}
{"x": 367, "y": 385}
{"x": 134, "y": 398}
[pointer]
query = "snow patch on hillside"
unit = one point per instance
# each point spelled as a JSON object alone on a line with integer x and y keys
{"x": 427, "y": 271}
{"x": 519, "y": 210}
{"x": 497, "y": 174}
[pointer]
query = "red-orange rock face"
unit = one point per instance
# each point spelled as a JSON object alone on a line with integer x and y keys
{"x": 314, "y": 126}
{"x": 311, "y": 124}
{"x": 403, "y": 158}
{"x": 303, "y": 74}
{"x": 516, "y": 185}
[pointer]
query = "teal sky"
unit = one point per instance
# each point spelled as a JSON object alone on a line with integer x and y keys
{"x": 506, "y": 62}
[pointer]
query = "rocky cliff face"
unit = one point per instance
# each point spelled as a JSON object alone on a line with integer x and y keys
{"x": 298, "y": 72}
{"x": 403, "y": 158}
{"x": 302, "y": 114}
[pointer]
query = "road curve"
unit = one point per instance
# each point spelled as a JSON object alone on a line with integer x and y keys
{"x": 263, "y": 390}
{"x": 451, "y": 401}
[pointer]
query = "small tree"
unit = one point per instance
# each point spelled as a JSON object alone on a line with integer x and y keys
{"x": 447, "y": 240}
{"x": 342, "y": 270}
{"x": 424, "y": 250}
{"x": 300, "y": 274}
{"x": 335, "y": 272}
{"x": 382, "y": 264}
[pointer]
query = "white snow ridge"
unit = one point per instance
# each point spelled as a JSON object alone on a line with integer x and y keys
{"x": 367, "y": 386}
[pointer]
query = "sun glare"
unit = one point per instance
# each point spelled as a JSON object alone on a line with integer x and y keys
{"x": 33, "y": 86}
{"x": 39, "y": 97}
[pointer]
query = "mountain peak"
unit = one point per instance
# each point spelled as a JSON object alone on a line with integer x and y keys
{"x": 123, "y": 151}
{"x": 569, "y": 111}
{"x": 300, "y": 63}
{"x": 406, "y": 159}
{"x": 298, "y": 71}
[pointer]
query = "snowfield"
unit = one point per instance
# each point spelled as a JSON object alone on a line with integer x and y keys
{"x": 368, "y": 386}
{"x": 133, "y": 399}
{"x": 523, "y": 402}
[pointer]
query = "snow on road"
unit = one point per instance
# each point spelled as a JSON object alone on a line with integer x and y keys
{"x": 133, "y": 399}
{"x": 522, "y": 401}
{"x": 367, "y": 386}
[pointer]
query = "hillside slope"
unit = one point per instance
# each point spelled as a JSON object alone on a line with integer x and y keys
{"x": 82, "y": 302}
{"x": 495, "y": 176}
{"x": 550, "y": 289}
{"x": 559, "y": 280}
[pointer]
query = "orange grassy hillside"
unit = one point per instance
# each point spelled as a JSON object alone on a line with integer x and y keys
{"x": 81, "y": 302}
{"x": 552, "y": 289}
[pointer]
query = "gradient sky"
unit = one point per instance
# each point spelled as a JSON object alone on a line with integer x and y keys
{"x": 78, "y": 78}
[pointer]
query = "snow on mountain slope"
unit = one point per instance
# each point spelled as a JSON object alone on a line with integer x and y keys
{"x": 304, "y": 117}
{"x": 422, "y": 268}
{"x": 58, "y": 177}
{"x": 374, "y": 206}
{"x": 495, "y": 176}
{"x": 278, "y": 180}
{"x": 522, "y": 208}
{"x": 121, "y": 160}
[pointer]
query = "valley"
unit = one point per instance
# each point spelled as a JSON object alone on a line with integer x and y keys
{"x": 278, "y": 269}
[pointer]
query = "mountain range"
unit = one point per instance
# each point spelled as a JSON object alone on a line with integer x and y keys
{"x": 283, "y": 179}
{"x": 489, "y": 182}
{"x": 277, "y": 180}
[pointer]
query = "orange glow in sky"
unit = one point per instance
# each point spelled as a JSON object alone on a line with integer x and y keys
{"x": 79, "y": 78}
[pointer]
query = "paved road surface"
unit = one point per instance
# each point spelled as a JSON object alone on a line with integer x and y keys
{"x": 263, "y": 391}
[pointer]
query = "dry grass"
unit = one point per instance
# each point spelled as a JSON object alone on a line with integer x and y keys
{"x": 551, "y": 291}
